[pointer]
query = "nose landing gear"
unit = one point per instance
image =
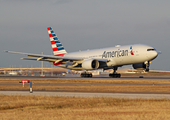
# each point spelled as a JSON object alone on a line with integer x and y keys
{"x": 147, "y": 66}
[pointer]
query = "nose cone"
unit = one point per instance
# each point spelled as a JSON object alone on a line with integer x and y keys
{"x": 153, "y": 54}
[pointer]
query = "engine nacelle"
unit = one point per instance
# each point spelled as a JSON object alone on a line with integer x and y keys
{"x": 139, "y": 66}
{"x": 90, "y": 64}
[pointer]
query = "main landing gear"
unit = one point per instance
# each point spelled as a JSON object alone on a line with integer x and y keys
{"x": 86, "y": 74}
{"x": 114, "y": 74}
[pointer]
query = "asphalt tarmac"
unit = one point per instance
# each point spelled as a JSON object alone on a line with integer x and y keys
{"x": 79, "y": 84}
{"x": 94, "y": 78}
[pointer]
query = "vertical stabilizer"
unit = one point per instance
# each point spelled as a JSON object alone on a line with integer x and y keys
{"x": 57, "y": 47}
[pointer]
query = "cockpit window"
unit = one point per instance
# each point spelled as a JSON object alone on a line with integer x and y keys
{"x": 151, "y": 49}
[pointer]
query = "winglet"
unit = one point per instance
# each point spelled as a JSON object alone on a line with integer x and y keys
{"x": 57, "y": 47}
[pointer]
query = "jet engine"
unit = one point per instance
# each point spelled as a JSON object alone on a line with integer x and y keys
{"x": 90, "y": 64}
{"x": 140, "y": 66}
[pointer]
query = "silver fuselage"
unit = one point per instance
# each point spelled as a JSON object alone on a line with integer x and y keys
{"x": 118, "y": 56}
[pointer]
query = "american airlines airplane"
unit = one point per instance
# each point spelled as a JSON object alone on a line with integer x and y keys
{"x": 139, "y": 55}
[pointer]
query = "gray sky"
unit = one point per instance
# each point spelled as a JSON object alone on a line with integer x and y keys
{"x": 82, "y": 25}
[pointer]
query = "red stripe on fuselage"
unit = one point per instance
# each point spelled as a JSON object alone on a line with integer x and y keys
{"x": 60, "y": 54}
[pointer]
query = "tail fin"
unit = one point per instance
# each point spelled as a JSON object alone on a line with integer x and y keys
{"x": 57, "y": 47}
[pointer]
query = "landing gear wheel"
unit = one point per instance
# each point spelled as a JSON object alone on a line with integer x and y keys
{"x": 147, "y": 66}
{"x": 115, "y": 75}
{"x": 147, "y": 70}
{"x": 86, "y": 74}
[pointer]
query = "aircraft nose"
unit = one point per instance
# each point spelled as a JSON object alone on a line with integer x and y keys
{"x": 154, "y": 54}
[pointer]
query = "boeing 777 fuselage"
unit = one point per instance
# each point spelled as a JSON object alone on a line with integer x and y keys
{"x": 139, "y": 55}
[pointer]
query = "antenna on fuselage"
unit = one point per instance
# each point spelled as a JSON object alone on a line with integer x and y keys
{"x": 117, "y": 45}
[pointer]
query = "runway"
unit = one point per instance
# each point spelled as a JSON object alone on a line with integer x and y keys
{"x": 112, "y": 94}
{"x": 94, "y": 78}
{"x": 80, "y": 84}
{"x": 89, "y": 95}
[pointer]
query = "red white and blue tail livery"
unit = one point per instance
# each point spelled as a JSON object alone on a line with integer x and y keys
{"x": 138, "y": 55}
{"x": 57, "y": 47}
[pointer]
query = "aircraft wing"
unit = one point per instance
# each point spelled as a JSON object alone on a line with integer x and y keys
{"x": 41, "y": 57}
{"x": 51, "y": 58}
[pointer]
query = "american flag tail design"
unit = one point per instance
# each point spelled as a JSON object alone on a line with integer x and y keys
{"x": 57, "y": 47}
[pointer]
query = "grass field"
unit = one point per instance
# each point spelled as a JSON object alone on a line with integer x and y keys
{"x": 70, "y": 108}
{"x": 73, "y": 108}
{"x": 93, "y": 88}
{"x": 109, "y": 88}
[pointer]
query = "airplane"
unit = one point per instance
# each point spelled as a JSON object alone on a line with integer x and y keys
{"x": 137, "y": 55}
